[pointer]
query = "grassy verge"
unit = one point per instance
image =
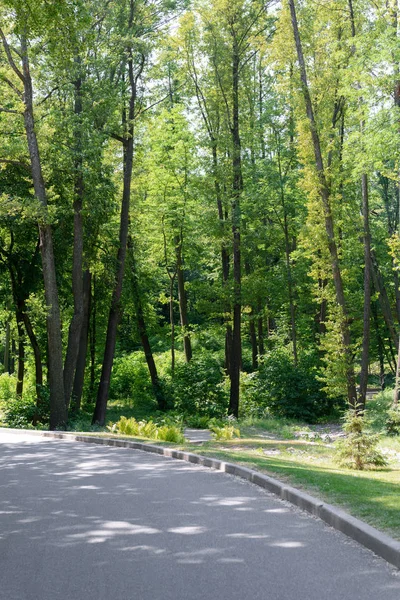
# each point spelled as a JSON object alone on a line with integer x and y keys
{"x": 369, "y": 495}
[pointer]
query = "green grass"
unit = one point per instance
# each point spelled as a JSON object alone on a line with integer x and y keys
{"x": 370, "y": 495}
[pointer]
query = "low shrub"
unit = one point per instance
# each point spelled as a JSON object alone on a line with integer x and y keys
{"x": 393, "y": 421}
{"x": 21, "y": 411}
{"x": 358, "y": 450}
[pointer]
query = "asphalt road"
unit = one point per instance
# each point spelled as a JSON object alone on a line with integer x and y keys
{"x": 83, "y": 522}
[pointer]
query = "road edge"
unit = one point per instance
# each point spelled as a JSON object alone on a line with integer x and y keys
{"x": 380, "y": 543}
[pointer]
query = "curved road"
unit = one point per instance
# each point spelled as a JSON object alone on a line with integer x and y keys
{"x": 83, "y": 522}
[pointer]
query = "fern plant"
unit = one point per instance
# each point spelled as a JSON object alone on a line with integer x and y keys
{"x": 227, "y": 432}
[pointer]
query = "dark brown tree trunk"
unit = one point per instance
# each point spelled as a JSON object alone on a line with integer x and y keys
{"x": 260, "y": 328}
{"x": 92, "y": 335}
{"x": 141, "y": 323}
{"x": 172, "y": 322}
{"x": 58, "y": 409}
{"x": 367, "y": 263}
{"x": 253, "y": 341}
{"x": 381, "y": 349}
{"x": 7, "y": 344}
{"x": 115, "y": 309}
{"x": 367, "y": 294}
{"x": 187, "y": 346}
{"x": 237, "y": 187}
{"x": 324, "y": 192}
{"x": 289, "y": 270}
{"x": 397, "y": 104}
{"x": 21, "y": 355}
{"x": 99, "y": 415}
{"x": 75, "y": 327}
{"x": 79, "y": 379}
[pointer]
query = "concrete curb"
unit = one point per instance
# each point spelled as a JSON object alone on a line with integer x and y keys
{"x": 380, "y": 543}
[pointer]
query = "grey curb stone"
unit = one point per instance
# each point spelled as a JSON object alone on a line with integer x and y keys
{"x": 380, "y": 543}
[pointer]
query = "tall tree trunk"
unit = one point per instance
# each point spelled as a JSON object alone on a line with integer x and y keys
{"x": 99, "y": 415}
{"x": 260, "y": 330}
{"x": 380, "y": 344}
{"x": 92, "y": 335}
{"x": 21, "y": 355}
{"x": 141, "y": 323}
{"x": 187, "y": 346}
{"x": 7, "y": 344}
{"x": 324, "y": 192}
{"x": 224, "y": 256}
{"x": 172, "y": 322}
{"x": 367, "y": 294}
{"x": 397, "y": 104}
{"x": 58, "y": 409}
{"x": 79, "y": 379}
{"x": 367, "y": 262}
{"x": 75, "y": 327}
{"x": 253, "y": 340}
{"x": 237, "y": 187}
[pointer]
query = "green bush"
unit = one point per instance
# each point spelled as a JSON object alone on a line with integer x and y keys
{"x": 197, "y": 388}
{"x": 282, "y": 389}
{"x": 393, "y": 421}
{"x": 20, "y": 412}
{"x": 131, "y": 380}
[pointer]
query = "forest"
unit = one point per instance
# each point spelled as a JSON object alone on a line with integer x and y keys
{"x": 199, "y": 207}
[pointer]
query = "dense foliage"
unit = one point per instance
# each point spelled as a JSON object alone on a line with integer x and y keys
{"x": 199, "y": 207}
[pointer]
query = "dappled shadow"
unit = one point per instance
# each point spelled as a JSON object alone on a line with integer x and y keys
{"x": 99, "y": 522}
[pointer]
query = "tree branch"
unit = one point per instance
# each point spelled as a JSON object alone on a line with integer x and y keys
{"x": 9, "y": 57}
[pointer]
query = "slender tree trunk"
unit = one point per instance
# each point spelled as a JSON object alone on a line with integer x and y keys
{"x": 397, "y": 104}
{"x": 367, "y": 294}
{"x": 367, "y": 262}
{"x": 224, "y": 257}
{"x": 75, "y": 327}
{"x": 99, "y": 415}
{"x": 260, "y": 329}
{"x": 79, "y": 379}
{"x": 324, "y": 192}
{"x": 7, "y": 348}
{"x": 21, "y": 355}
{"x": 92, "y": 335}
{"x": 141, "y": 323}
{"x": 58, "y": 410}
{"x": 381, "y": 349}
{"x": 289, "y": 278}
{"x": 237, "y": 187}
{"x": 187, "y": 346}
{"x": 172, "y": 322}
{"x": 253, "y": 340}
